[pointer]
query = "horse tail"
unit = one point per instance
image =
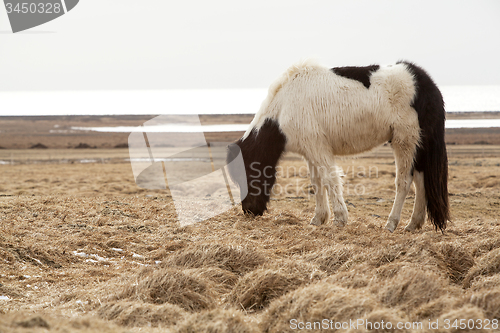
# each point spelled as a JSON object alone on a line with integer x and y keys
{"x": 435, "y": 168}
{"x": 431, "y": 157}
{"x": 267, "y": 109}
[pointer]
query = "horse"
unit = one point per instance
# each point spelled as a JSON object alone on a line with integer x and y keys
{"x": 322, "y": 113}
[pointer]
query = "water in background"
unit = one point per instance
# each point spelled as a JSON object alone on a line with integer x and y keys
{"x": 178, "y": 128}
{"x": 151, "y": 102}
{"x": 471, "y": 98}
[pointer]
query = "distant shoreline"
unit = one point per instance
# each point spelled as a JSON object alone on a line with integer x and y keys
{"x": 473, "y": 115}
{"x": 23, "y": 132}
{"x": 223, "y": 117}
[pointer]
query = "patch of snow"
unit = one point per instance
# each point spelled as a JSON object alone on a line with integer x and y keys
{"x": 138, "y": 256}
{"x": 99, "y": 258}
{"x": 80, "y": 254}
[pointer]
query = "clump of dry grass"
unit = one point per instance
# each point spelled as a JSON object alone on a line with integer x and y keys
{"x": 386, "y": 255}
{"x": 455, "y": 259}
{"x": 39, "y": 255}
{"x": 258, "y": 288}
{"x": 33, "y": 322}
{"x": 220, "y": 321}
{"x": 391, "y": 270}
{"x": 420, "y": 251}
{"x": 168, "y": 285}
{"x": 11, "y": 292}
{"x": 238, "y": 259}
{"x": 489, "y": 301}
{"x": 411, "y": 288}
{"x": 485, "y": 282}
{"x": 222, "y": 280}
{"x": 26, "y": 322}
{"x": 437, "y": 307}
{"x": 332, "y": 258}
{"x": 488, "y": 265}
{"x": 452, "y": 258}
{"x": 357, "y": 277}
{"x": 484, "y": 246}
{"x": 316, "y": 302}
{"x": 133, "y": 313}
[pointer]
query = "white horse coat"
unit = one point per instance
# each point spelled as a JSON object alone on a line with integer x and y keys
{"x": 323, "y": 113}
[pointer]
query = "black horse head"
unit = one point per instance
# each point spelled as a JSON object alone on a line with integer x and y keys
{"x": 261, "y": 151}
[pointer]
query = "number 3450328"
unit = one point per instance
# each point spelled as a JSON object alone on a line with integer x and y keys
{"x": 41, "y": 8}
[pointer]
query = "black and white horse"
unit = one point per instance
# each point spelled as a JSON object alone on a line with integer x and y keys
{"x": 321, "y": 113}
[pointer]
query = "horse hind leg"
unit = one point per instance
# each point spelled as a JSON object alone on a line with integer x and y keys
{"x": 322, "y": 212}
{"x": 419, "y": 207}
{"x": 330, "y": 178}
{"x": 404, "y": 151}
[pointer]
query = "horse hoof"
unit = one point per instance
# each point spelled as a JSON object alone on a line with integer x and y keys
{"x": 391, "y": 227}
{"x": 410, "y": 228}
{"x": 413, "y": 227}
{"x": 391, "y": 224}
{"x": 320, "y": 219}
{"x": 339, "y": 223}
{"x": 316, "y": 222}
{"x": 415, "y": 224}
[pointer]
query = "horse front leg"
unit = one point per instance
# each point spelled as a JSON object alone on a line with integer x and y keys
{"x": 328, "y": 181}
{"x": 336, "y": 190}
{"x": 322, "y": 212}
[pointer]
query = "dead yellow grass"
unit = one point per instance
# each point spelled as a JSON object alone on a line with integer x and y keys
{"x": 315, "y": 303}
{"x": 220, "y": 321}
{"x": 82, "y": 249}
{"x": 488, "y": 266}
{"x": 258, "y": 288}
{"x": 42, "y": 322}
{"x": 169, "y": 286}
{"x": 234, "y": 258}
{"x": 410, "y": 288}
{"x": 137, "y": 314}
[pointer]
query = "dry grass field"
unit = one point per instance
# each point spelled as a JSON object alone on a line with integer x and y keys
{"x": 83, "y": 249}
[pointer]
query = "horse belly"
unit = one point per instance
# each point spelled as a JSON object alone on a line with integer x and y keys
{"x": 355, "y": 137}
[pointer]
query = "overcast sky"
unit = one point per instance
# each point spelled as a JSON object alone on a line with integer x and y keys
{"x": 162, "y": 44}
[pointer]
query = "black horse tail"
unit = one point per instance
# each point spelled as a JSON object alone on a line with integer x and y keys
{"x": 431, "y": 157}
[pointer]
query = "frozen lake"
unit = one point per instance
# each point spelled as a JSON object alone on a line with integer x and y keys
{"x": 454, "y": 123}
